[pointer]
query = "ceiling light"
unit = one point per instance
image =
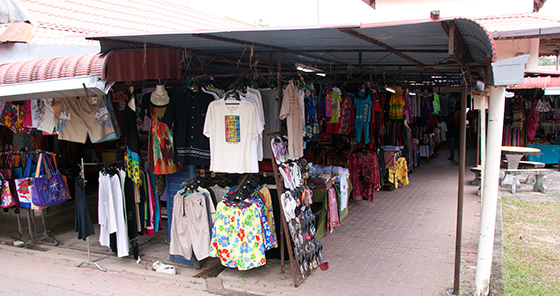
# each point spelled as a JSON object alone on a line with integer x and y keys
{"x": 321, "y": 74}
{"x": 307, "y": 68}
{"x": 390, "y": 89}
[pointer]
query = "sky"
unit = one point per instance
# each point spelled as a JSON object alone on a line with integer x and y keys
{"x": 338, "y": 12}
{"x": 286, "y": 12}
{"x": 551, "y": 7}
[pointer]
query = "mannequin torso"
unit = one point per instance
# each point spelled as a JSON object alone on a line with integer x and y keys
{"x": 159, "y": 97}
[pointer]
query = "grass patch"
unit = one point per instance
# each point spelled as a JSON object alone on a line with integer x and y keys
{"x": 531, "y": 232}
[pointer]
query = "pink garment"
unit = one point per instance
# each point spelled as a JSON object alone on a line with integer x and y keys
{"x": 332, "y": 215}
{"x": 151, "y": 206}
{"x": 328, "y": 105}
{"x": 390, "y": 160}
{"x": 364, "y": 175}
{"x": 532, "y": 122}
{"x": 27, "y": 118}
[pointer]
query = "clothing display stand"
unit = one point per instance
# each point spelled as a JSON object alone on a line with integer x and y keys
{"x": 285, "y": 239}
{"x": 89, "y": 261}
{"x": 45, "y": 235}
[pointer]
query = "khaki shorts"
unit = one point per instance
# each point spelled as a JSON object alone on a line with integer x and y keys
{"x": 79, "y": 117}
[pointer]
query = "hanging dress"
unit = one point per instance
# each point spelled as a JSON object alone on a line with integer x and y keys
{"x": 161, "y": 154}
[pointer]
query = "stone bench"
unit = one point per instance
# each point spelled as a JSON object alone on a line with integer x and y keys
{"x": 477, "y": 170}
{"x": 523, "y": 164}
{"x": 538, "y": 172}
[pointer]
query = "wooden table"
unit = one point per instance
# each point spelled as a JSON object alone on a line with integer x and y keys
{"x": 513, "y": 156}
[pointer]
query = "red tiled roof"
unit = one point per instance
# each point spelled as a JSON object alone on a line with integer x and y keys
{"x": 117, "y": 65}
{"x": 82, "y": 17}
{"x": 53, "y": 68}
{"x": 516, "y": 22}
{"x": 537, "y": 82}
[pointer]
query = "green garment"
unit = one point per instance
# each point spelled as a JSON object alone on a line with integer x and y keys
{"x": 320, "y": 195}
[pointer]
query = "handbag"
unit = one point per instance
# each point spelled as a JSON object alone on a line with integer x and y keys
{"x": 48, "y": 189}
{"x": 7, "y": 198}
{"x": 24, "y": 185}
{"x": 63, "y": 176}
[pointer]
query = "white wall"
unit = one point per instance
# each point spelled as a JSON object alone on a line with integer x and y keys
{"x": 506, "y": 49}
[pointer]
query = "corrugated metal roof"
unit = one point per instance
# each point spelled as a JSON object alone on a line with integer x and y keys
{"x": 410, "y": 43}
{"x": 131, "y": 65}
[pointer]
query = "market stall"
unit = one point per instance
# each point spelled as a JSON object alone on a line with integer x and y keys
{"x": 188, "y": 131}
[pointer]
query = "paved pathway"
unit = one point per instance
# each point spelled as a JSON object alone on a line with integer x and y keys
{"x": 401, "y": 244}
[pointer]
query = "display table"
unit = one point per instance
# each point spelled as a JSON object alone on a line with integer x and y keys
{"x": 550, "y": 154}
{"x": 320, "y": 196}
{"x": 513, "y": 156}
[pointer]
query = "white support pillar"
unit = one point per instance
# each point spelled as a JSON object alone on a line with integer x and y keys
{"x": 490, "y": 190}
{"x": 483, "y": 142}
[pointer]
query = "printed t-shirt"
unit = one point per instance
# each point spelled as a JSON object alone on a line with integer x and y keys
{"x": 231, "y": 128}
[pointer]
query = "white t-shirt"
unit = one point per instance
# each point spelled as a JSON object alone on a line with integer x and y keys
{"x": 231, "y": 128}
{"x": 42, "y": 114}
{"x": 256, "y": 144}
{"x": 260, "y": 116}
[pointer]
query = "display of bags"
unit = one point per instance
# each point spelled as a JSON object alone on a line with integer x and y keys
{"x": 49, "y": 188}
{"x": 24, "y": 185}
{"x": 63, "y": 176}
{"x": 8, "y": 200}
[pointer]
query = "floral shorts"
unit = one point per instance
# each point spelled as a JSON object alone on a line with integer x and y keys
{"x": 237, "y": 237}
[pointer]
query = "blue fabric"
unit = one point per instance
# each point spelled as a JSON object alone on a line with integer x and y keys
{"x": 362, "y": 106}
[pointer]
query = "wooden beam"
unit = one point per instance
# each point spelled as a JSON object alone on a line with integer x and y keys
{"x": 276, "y": 48}
{"x": 382, "y": 45}
{"x": 457, "y": 47}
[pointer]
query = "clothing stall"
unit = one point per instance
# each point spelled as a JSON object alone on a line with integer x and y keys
{"x": 195, "y": 141}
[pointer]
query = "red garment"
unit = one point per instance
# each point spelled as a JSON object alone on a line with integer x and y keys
{"x": 332, "y": 215}
{"x": 27, "y": 120}
{"x": 532, "y": 122}
{"x": 364, "y": 175}
{"x": 346, "y": 117}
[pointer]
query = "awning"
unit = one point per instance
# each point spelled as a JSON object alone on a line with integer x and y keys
{"x": 70, "y": 76}
{"x": 414, "y": 51}
{"x": 53, "y": 77}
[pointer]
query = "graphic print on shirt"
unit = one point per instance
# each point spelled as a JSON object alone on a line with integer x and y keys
{"x": 64, "y": 119}
{"x": 233, "y": 133}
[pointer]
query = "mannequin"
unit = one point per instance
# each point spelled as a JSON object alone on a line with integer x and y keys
{"x": 131, "y": 102}
{"x": 159, "y": 97}
{"x": 425, "y": 93}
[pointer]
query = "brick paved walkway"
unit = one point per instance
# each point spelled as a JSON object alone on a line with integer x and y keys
{"x": 401, "y": 244}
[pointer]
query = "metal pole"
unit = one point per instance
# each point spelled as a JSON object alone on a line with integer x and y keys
{"x": 483, "y": 141}
{"x": 490, "y": 190}
{"x": 460, "y": 187}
